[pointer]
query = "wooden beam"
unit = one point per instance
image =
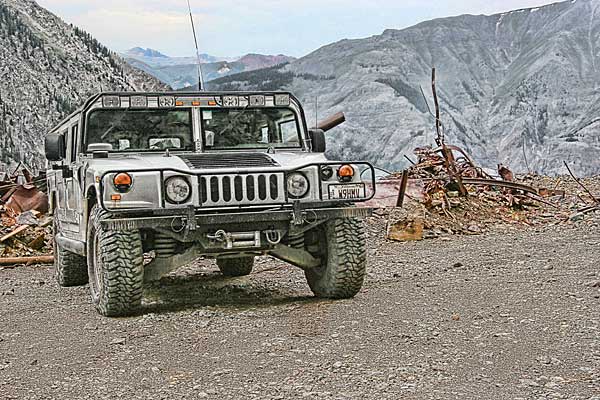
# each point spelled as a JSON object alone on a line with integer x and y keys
{"x": 27, "y": 260}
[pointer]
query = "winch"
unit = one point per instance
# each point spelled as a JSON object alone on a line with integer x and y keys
{"x": 244, "y": 240}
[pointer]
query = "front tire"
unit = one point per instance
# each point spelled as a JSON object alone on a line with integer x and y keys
{"x": 70, "y": 269}
{"x": 115, "y": 268}
{"x": 343, "y": 252}
{"x": 233, "y": 267}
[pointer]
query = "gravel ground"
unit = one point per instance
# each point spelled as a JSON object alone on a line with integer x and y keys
{"x": 500, "y": 316}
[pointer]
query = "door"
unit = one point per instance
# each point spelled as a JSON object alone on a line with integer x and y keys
{"x": 73, "y": 213}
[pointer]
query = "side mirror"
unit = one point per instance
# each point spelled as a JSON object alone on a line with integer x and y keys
{"x": 319, "y": 145}
{"x": 55, "y": 147}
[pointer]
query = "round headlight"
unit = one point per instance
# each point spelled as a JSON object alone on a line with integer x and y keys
{"x": 178, "y": 190}
{"x": 297, "y": 185}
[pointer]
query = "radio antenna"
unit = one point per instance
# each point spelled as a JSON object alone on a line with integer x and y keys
{"x": 200, "y": 77}
{"x": 316, "y": 111}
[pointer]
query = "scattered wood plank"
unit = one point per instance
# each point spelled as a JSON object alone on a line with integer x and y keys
{"x": 15, "y": 232}
{"x": 27, "y": 260}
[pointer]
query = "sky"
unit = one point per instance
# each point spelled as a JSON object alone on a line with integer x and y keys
{"x": 229, "y": 28}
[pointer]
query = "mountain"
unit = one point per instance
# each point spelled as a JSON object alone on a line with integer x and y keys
{"x": 184, "y": 75}
{"x": 518, "y": 88}
{"x": 47, "y": 69}
{"x": 156, "y": 58}
{"x": 259, "y": 61}
{"x": 182, "y": 72}
{"x": 142, "y": 53}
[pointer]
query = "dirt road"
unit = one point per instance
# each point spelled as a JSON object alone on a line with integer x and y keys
{"x": 513, "y": 316}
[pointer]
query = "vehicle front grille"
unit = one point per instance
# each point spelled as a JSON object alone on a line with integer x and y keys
{"x": 239, "y": 190}
{"x": 228, "y": 160}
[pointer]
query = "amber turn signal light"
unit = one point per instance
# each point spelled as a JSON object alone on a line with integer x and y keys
{"x": 123, "y": 182}
{"x": 346, "y": 171}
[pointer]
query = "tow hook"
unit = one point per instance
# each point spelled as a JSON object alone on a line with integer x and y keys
{"x": 273, "y": 237}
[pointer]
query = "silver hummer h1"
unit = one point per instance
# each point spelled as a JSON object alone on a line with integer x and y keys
{"x": 174, "y": 176}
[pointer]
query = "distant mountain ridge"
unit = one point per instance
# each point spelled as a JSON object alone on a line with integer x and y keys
{"x": 47, "y": 69}
{"x": 519, "y": 88}
{"x": 140, "y": 52}
{"x": 181, "y": 72}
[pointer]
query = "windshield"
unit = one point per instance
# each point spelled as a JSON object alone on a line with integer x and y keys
{"x": 250, "y": 128}
{"x": 141, "y": 130}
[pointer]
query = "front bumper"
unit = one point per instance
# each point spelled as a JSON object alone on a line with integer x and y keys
{"x": 188, "y": 221}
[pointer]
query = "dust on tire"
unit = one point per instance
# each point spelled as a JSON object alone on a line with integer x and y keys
{"x": 118, "y": 259}
{"x": 344, "y": 260}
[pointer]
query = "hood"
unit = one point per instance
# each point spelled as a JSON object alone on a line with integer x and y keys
{"x": 132, "y": 162}
{"x": 209, "y": 162}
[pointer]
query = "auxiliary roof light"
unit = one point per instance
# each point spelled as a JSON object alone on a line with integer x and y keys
{"x": 166, "y": 101}
{"x": 111, "y": 101}
{"x": 138, "y": 102}
{"x": 282, "y": 100}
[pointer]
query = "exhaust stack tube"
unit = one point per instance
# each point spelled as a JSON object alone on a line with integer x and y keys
{"x": 331, "y": 122}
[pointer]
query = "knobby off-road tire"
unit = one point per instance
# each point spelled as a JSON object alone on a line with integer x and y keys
{"x": 115, "y": 267}
{"x": 233, "y": 267}
{"x": 344, "y": 259}
{"x": 70, "y": 269}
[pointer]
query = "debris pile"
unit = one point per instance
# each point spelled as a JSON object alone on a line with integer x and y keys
{"x": 446, "y": 192}
{"x": 426, "y": 200}
{"x": 25, "y": 230}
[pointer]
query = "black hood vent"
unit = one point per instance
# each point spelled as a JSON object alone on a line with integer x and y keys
{"x": 228, "y": 160}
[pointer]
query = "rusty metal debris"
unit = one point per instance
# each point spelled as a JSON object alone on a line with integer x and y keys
{"x": 24, "y": 229}
{"x": 428, "y": 194}
{"x": 594, "y": 198}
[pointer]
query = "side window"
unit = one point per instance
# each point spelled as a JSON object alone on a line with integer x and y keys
{"x": 66, "y": 133}
{"x": 74, "y": 135}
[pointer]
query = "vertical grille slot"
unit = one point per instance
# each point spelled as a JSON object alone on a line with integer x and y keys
{"x": 239, "y": 189}
{"x": 274, "y": 187}
{"x": 226, "y": 189}
{"x": 203, "y": 190}
{"x": 250, "y": 188}
{"x": 262, "y": 187}
{"x": 214, "y": 189}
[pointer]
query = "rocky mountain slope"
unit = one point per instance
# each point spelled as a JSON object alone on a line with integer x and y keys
{"x": 519, "y": 88}
{"x": 181, "y": 72}
{"x": 47, "y": 69}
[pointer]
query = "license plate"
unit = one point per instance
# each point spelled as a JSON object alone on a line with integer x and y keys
{"x": 347, "y": 192}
